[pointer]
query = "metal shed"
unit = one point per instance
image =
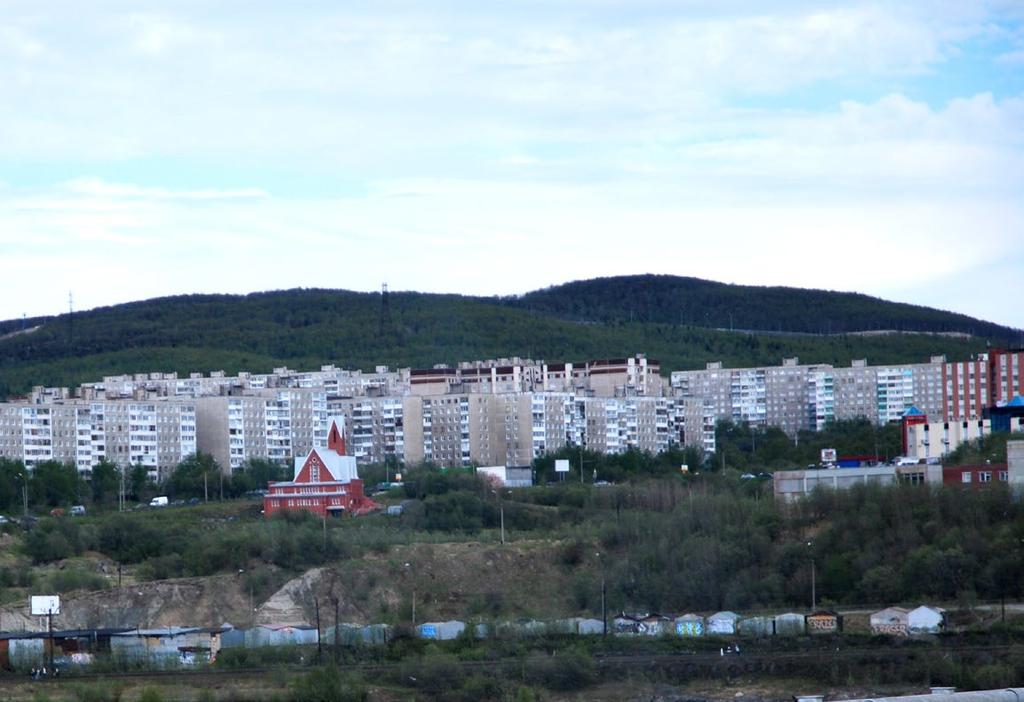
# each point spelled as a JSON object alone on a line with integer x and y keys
{"x": 626, "y": 624}
{"x": 589, "y": 627}
{"x": 655, "y": 624}
{"x": 789, "y": 624}
{"x": 266, "y": 635}
{"x": 891, "y": 621}
{"x": 441, "y": 631}
{"x": 722, "y": 623}
{"x": 169, "y": 645}
{"x": 358, "y": 635}
{"x": 925, "y": 620}
{"x": 758, "y": 627}
{"x": 690, "y": 625}
{"x": 824, "y": 622}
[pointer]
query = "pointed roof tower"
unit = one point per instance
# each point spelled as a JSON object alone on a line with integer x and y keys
{"x": 336, "y": 435}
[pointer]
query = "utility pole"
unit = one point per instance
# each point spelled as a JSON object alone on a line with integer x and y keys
{"x": 319, "y": 644}
{"x": 336, "y": 629}
{"x": 814, "y": 594}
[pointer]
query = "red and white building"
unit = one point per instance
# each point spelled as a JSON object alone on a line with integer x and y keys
{"x": 969, "y": 387}
{"x": 326, "y": 481}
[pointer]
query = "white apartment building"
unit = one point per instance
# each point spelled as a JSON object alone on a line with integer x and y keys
{"x": 894, "y": 391}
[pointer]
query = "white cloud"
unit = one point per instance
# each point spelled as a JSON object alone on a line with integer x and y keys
{"x": 503, "y": 147}
{"x": 99, "y": 188}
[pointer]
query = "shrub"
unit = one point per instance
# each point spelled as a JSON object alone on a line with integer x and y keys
{"x": 571, "y": 671}
{"x": 328, "y": 685}
{"x": 72, "y": 579}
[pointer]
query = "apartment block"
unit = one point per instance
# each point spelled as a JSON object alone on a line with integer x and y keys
{"x": 273, "y": 425}
{"x": 157, "y": 435}
{"x": 374, "y": 426}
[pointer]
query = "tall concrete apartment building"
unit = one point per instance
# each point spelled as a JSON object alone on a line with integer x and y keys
{"x": 488, "y": 412}
{"x": 794, "y": 397}
{"x": 273, "y": 425}
{"x": 155, "y": 434}
{"x": 986, "y": 380}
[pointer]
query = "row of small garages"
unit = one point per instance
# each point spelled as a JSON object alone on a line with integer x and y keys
{"x": 893, "y": 621}
{"x": 163, "y": 646}
{"x": 193, "y": 645}
{"x": 729, "y": 624}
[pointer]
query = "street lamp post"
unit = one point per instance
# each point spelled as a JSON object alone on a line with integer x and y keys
{"x": 604, "y": 599}
{"x": 24, "y": 491}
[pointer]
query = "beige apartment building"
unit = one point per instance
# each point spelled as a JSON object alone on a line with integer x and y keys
{"x": 273, "y": 425}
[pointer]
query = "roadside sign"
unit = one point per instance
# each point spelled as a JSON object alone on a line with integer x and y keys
{"x": 43, "y": 605}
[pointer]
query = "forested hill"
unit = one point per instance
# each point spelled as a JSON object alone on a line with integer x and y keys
{"x": 675, "y": 300}
{"x": 307, "y": 328}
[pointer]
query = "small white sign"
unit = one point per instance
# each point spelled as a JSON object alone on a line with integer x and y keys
{"x": 45, "y": 604}
{"x": 561, "y": 465}
{"x": 828, "y": 455}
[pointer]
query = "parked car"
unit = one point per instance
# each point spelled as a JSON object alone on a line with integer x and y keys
{"x": 3, "y": 519}
{"x": 78, "y": 510}
{"x": 57, "y": 512}
{"x": 160, "y": 501}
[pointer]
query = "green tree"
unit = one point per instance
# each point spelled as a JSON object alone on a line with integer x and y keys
{"x": 196, "y": 476}
{"x": 53, "y": 483}
{"x": 12, "y": 475}
{"x": 140, "y": 488}
{"x": 105, "y": 483}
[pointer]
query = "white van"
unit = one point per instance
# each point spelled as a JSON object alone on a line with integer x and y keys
{"x": 158, "y": 501}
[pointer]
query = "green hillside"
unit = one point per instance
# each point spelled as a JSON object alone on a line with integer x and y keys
{"x": 307, "y": 328}
{"x": 676, "y": 300}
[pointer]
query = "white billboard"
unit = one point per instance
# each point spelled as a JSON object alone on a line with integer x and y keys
{"x": 561, "y": 465}
{"x": 828, "y": 455}
{"x": 45, "y": 604}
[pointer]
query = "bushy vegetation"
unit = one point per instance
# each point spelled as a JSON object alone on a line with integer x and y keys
{"x": 328, "y": 684}
{"x": 987, "y": 449}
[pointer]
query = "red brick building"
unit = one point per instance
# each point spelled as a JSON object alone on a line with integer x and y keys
{"x": 326, "y": 482}
{"x": 975, "y": 476}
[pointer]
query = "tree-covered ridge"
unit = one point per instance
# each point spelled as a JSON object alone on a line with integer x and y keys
{"x": 308, "y": 328}
{"x": 677, "y": 300}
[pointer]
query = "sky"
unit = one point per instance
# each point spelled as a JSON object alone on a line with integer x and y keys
{"x": 151, "y": 149}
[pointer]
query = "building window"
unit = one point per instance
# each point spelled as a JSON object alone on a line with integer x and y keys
{"x": 985, "y": 476}
{"x": 965, "y": 476}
